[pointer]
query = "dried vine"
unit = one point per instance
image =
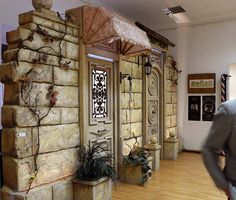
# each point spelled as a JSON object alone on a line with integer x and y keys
{"x": 26, "y": 82}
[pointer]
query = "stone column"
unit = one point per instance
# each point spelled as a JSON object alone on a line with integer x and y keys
{"x": 40, "y": 70}
{"x": 154, "y": 150}
{"x": 171, "y": 148}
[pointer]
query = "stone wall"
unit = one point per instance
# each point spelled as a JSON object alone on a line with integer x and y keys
{"x": 171, "y": 101}
{"x": 131, "y": 103}
{"x": 171, "y": 142}
{"x": 41, "y": 108}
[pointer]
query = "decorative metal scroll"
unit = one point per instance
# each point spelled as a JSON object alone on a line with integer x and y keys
{"x": 99, "y": 93}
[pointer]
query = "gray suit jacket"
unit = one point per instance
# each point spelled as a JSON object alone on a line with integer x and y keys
{"x": 222, "y": 136}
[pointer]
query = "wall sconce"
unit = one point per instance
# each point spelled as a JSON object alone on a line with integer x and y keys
{"x": 147, "y": 65}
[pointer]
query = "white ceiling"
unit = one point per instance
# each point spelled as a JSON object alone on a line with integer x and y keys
{"x": 149, "y": 12}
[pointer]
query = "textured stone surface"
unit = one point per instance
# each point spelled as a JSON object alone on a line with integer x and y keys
{"x": 168, "y": 97}
{"x": 137, "y": 85}
{"x": 12, "y": 72}
{"x": 69, "y": 77}
{"x": 69, "y": 115}
{"x": 136, "y": 128}
{"x": 137, "y": 97}
{"x": 21, "y": 116}
{"x": 17, "y": 142}
{"x": 173, "y": 120}
{"x": 52, "y": 138}
{"x": 171, "y": 149}
{"x": 97, "y": 190}
{"x": 49, "y": 21}
{"x": 129, "y": 143}
{"x": 68, "y": 49}
{"x": 126, "y": 67}
{"x": 136, "y": 115}
{"x": 168, "y": 121}
{"x": 63, "y": 191}
{"x": 68, "y": 96}
{"x": 124, "y": 116}
{"x": 136, "y": 71}
{"x": 52, "y": 167}
{"x": 22, "y": 142}
{"x": 25, "y": 55}
{"x": 125, "y": 100}
{"x": 169, "y": 109}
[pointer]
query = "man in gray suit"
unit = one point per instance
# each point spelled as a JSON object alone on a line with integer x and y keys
{"x": 222, "y": 137}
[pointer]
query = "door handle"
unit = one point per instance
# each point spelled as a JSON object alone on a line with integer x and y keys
{"x": 100, "y": 133}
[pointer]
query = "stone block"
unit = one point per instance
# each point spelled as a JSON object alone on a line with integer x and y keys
{"x": 168, "y": 121}
{"x": 53, "y": 33}
{"x": 169, "y": 109}
{"x": 125, "y": 67}
{"x": 49, "y": 21}
{"x": 136, "y": 71}
{"x": 24, "y": 55}
{"x": 137, "y": 97}
{"x": 173, "y": 120}
{"x": 17, "y": 142}
{"x": 124, "y": 119}
{"x": 125, "y": 100}
{"x": 168, "y": 97}
{"x": 136, "y": 115}
{"x": 12, "y": 72}
{"x": 57, "y": 47}
{"x": 137, "y": 85}
{"x": 68, "y": 96}
{"x": 175, "y": 109}
{"x": 21, "y": 116}
{"x": 93, "y": 190}
{"x": 69, "y": 115}
{"x": 168, "y": 86}
{"x": 171, "y": 148}
{"x": 136, "y": 128}
{"x": 22, "y": 142}
{"x": 125, "y": 131}
{"x": 63, "y": 191}
{"x": 174, "y": 97}
{"x": 69, "y": 77}
{"x": 52, "y": 138}
{"x": 52, "y": 166}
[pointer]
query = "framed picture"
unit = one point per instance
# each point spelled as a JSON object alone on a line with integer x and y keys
{"x": 208, "y": 107}
{"x": 201, "y": 83}
{"x": 194, "y": 108}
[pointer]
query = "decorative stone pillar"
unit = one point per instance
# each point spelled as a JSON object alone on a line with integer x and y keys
{"x": 171, "y": 148}
{"x": 154, "y": 150}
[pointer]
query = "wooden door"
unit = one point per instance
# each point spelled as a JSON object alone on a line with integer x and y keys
{"x": 100, "y": 103}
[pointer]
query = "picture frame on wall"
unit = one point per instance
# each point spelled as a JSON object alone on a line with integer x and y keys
{"x": 202, "y": 83}
{"x": 208, "y": 108}
{"x": 194, "y": 108}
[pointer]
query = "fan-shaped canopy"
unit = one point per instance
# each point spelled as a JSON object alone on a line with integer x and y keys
{"x": 103, "y": 25}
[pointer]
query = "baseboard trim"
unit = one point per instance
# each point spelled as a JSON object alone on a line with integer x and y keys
{"x": 192, "y": 151}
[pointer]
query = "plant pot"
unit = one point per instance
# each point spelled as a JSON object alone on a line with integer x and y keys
{"x": 133, "y": 174}
{"x": 93, "y": 190}
{"x": 38, "y": 4}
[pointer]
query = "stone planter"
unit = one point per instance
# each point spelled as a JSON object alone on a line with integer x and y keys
{"x": 93, "y": 190}
{"x": 133, "y": 173}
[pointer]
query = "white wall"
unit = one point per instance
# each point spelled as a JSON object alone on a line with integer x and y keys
{"x": 208, "y": 48}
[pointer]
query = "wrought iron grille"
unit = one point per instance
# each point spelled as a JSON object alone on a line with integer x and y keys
{"x": 99, "y": 93}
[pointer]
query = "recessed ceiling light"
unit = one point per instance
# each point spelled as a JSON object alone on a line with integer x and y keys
{"x": 173, "y": 10}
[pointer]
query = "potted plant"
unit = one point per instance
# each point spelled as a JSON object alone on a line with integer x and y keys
{"x": 94, "y": 174}
{"x": 137, "y": 165}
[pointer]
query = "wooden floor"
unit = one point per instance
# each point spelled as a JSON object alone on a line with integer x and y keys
{"x": 183, "y": 179}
